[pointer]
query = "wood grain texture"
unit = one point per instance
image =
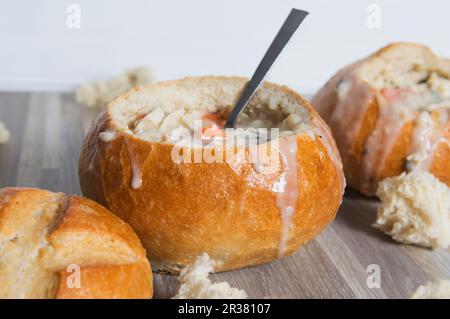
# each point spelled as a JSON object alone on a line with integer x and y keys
{"x": 46, "y": 134}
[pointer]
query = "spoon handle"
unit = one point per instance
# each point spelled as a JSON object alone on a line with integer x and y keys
{"x": 290, "y": 25}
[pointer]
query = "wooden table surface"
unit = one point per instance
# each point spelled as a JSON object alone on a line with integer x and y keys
{"x": 46, "y": 133}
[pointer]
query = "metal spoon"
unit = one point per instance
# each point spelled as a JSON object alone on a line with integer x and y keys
{"x": 290, "y": 25}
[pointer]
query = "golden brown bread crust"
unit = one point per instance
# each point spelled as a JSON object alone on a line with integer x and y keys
{"x": 352, "y": 146}
{"x": 44, "y": 232}
{"x": 181, "y": 211}
{"x": 109, "y": 282}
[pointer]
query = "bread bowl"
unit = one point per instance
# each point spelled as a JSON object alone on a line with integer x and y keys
{"x": 239, "y": 212}
{"x": 389, "y": 113}
{"x": 54, "y": 245}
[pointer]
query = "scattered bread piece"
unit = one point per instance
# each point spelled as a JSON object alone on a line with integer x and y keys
{"x": 433, "y": 290}
{"x": 195, "y": 283}
{"x": 415, "y": 209}
{"x": 99, "y": 93}
{"x": 4, "y": 133}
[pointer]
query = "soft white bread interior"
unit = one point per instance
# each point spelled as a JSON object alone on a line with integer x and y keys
{"x": 407, "y": 65}
{"x": 415, "y": 209}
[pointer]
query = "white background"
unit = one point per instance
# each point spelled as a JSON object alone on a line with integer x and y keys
{"x": 200, "y": 37}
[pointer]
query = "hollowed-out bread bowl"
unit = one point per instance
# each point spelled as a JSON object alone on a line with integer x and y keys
{"x": 241, "y": 213}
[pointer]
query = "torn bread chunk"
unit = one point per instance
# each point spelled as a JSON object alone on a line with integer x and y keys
{"x": 433, "y": 290}
{"x": 99, "y": 93}
{"x": 195, "y": 283}
{"x": 4, "y": 133}
{"x": 415, "y": 209}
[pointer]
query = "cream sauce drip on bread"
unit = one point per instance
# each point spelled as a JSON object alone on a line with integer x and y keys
{"x": 346, "y": 118}
{"x": 426, "y": 138}
{"x": 286, "y": 189}
{"x": 388, "y": 127}
{"x": 136, "y": 176}
{"x": 419, "y": 101}
{"x": 399, "y": 102}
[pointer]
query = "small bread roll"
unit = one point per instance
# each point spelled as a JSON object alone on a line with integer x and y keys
{"x": 390, "y": 113}
{"x": 54, "y": 245}
{"x": 240, "y": 212}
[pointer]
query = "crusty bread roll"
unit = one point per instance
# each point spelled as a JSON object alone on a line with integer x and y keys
{"x": 415, "y": 209}
{"x": 54, "y": 245}
{"x": 390, "y": 113}
{"x": 236, "y": 212}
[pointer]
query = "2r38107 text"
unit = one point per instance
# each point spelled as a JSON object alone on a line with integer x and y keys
{"x": 237, "y": 308}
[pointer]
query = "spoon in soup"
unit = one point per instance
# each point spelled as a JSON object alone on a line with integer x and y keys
{"x": 287, "y": 30}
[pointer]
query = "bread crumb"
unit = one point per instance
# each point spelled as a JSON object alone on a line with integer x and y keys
{"x": 99, "y": 93}
{"x": 424, "y": 128}
{"x": 195, "y": 283}
{"x": 415, "y": 209}
{"x": 4, "y": 133}
{"x": 433, "y": 290}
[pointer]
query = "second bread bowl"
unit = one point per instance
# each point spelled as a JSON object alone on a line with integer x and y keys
{"x": 390, "y": 113}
